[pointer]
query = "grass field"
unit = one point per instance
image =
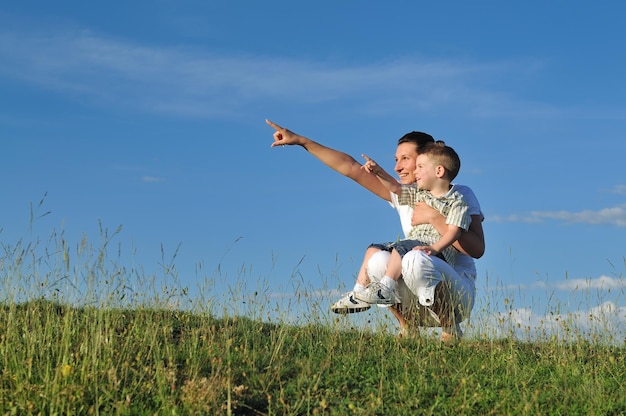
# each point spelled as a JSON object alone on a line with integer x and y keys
{"x": 57, "y": 359}
{"x": 124, "y": 349}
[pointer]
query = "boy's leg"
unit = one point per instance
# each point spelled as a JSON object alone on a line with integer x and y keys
{"x": 362, "y": 278}
{"x": 404, "y": 310}
{"x": 383, "y": 292}
{"x": 348, "y": 303}
{"x": 394, "y": 267}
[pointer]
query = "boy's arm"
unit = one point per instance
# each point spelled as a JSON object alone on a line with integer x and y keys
{"x": 471, "y": 242}
{"x": 386, "y": 179}
{"x": 451, "y": 235}
{"x": 334, "y": 159}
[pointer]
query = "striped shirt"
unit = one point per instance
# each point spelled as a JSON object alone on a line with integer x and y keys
{"x": 451, "y": 205}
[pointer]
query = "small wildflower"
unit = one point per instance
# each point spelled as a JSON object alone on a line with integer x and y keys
{"x": 66, "y": 370}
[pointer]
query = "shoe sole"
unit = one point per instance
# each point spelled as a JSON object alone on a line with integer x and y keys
{"x": 381, "y": 302}
{"x": 378, "y": 301}
{"x": 344, "y": 311}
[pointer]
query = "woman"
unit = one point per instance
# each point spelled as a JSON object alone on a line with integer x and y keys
{"x": 410, "y": 312}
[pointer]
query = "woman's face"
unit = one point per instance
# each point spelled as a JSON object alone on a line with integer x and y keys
{"x": 406, "y": 154}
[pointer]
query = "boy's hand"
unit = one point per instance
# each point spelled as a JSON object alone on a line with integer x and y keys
{"x": 427, "y": 249}
{"x": 370, "y": 166}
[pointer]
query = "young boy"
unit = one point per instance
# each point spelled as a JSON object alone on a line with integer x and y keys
{"x": 436, "y": 166}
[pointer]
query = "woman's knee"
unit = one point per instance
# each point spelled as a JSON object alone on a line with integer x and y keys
{"x": 415, "y": 264}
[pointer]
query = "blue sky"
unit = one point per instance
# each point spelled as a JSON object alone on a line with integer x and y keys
{"x": 150, "y": 115}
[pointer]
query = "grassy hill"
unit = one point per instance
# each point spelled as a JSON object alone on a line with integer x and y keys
{"x": 57, "y": 359}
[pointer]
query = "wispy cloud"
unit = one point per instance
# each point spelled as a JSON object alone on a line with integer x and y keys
{"x": 136, "y": 171}
{"x": 618, "y": 189}
{"x": 151, "y": 179}
{"x": 192, "y": 82}
{"x": 602, "y": 283}
{"x": 608, "y": 216}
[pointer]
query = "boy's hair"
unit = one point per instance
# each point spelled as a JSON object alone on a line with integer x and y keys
{"x": 418, "y": 138}
{"x": 445, "y": 156}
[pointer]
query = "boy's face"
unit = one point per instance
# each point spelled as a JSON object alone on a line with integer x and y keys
{"x": 406, "y": 154}
{"x": 425, "y": 172}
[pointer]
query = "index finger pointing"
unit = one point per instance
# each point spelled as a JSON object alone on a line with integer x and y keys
{"x": 276, "y": 126}
{"x": 366, "y": 157}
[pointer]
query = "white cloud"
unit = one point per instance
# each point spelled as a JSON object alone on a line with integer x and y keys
{"x": 618, "y": 189}
{"x": 614, "y": 215}
{"x": 605, "y": 322}
{"x": 179, "y": 81}
{"x": 601, "y": 283}
{"x": 151, "y": 179}
{"x": 607, "y": 216}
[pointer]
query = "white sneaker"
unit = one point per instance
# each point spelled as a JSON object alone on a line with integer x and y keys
{"x": 349, "y": 304}
{"x": 377, "y": 293}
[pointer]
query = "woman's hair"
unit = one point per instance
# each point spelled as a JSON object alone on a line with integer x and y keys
{"x": 418, "y": 138}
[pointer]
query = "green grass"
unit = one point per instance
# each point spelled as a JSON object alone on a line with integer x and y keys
{"x": 57, "y": 359}
{"x": 82, "y": 332}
